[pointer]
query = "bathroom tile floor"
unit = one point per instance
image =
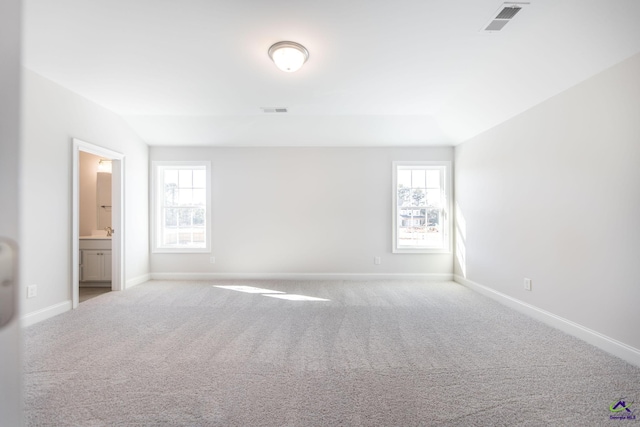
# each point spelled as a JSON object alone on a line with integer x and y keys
{"x": 88, "y": 293}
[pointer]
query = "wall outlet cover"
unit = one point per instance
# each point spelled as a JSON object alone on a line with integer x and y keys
{"x": 32, "y": 291}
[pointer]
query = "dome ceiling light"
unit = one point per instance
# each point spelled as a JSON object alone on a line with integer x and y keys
{"x": 288, "y": 56}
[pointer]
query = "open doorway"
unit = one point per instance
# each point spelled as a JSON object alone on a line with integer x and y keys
{"x": 97, "y": 238}
{"x": 96, "y": 225}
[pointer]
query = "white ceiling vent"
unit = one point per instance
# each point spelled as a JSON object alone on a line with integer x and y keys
{"x": 274, "y": 110}
{"x": 503, "y": 15}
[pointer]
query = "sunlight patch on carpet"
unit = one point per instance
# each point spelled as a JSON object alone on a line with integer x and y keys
{"x": 270, "y": 293}
{"x": 294, "y": 297}
{"x": 250, "y": 289}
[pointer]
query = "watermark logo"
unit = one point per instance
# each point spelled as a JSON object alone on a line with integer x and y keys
{"x": 621, "y": 410}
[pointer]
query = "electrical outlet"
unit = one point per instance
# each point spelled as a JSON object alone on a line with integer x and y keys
{"x": 377, "y": 260}
{"x": 32, "y": 291}
{"x": 212, "y": 260}
{"x": 527, "y": 284}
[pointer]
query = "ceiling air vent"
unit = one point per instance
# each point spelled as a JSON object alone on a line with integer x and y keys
{"x": 274, "y": 110}
{"x": 505, "y": 14}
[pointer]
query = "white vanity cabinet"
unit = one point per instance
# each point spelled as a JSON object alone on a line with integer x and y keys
{"x": 95, "y": 260}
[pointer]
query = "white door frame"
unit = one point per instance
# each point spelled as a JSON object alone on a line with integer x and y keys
{"x": 117, "y": 216}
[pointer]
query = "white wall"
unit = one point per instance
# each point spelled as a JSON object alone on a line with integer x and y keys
{"x": 52, "y": 116}
{"x": 554, "y": 195}
{"x": 301, "y": 211}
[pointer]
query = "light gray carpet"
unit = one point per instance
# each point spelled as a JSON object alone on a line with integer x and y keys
{"x": 377, "y": 354}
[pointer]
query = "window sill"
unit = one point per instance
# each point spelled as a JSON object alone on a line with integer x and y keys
{"x": 420, "y": 251}
{"x": 181, "y": 251}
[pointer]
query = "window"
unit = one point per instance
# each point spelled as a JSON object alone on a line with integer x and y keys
{"x": 181, "y": 203}
{"x": 421, "y": 201}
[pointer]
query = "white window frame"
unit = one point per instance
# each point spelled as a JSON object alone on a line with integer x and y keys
{"x": 445, "y": 168}
{"x": 158, "y": 167}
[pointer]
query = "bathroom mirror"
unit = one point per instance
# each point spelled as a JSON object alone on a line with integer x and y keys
{"x": 103, "y": 198}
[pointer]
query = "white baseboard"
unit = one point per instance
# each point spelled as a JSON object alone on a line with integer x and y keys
{"x": 46, "y": 313}
{"x": 137, "y": 280}
{"x": 301, "y": 276}
{"x": 608, "y": 344}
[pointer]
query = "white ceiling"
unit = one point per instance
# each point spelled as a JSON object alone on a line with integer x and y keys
{"x": 380, "y": 73}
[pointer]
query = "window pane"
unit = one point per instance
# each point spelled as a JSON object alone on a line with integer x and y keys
{"x": 404, "y": 196}
{"x": 411, "y": 236}
{"x": 421, "y": 216}
{"x": 186, "y": 178}
{"x": 404, "y": 178}
{"x": 418, "y": 197}
{"x": 184, "y": 218}
{"x": 418, "y": 178}
{"x": 434, "y": 233}
{"x": 170, "y": 217}
{"x": 198, "y": 217}
{"x": 199, "y": 178}
{"x": 433, "y": 179}
{"x": 199, "y": 197}
{"x": 433, "y": 218}
{"x": 170, "y": 194}
{"x": 170, "y": 177}
{"x": 170, "y": 236}
{"x": 198, "y": 237}
{"x": 184, "y": 237}
{"x": 185, "y": 197}
{"x": 433, "y": 197}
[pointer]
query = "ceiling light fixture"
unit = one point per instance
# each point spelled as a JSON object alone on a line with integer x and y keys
{"x": 288, "y": 56}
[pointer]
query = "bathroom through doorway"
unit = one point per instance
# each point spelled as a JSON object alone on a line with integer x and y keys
{"x": 97, "y": 232}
